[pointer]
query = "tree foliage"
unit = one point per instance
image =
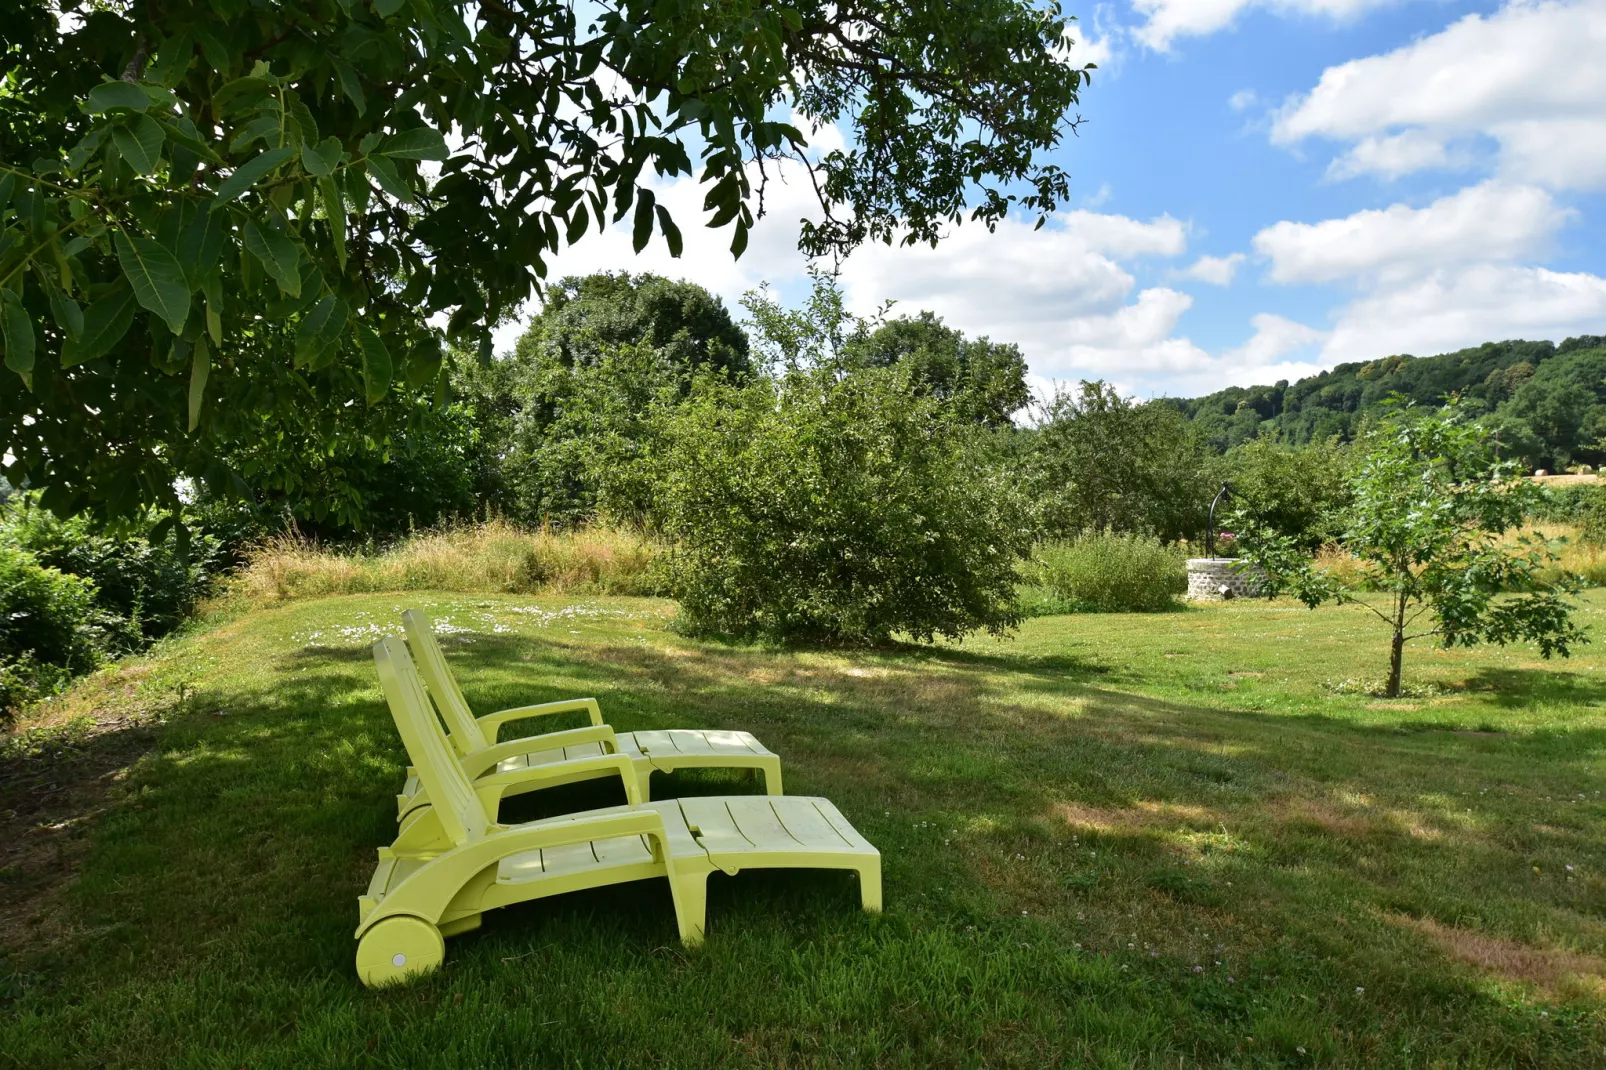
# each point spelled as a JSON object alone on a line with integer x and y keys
{"x": 840, "y": 508}
{"x": 1429, "y": 505}
{"x": 211, "y": 211}
{"x": 1549, "y": 399}
{"x": 1100, "y": 462}
{"x": 979, "y": 381}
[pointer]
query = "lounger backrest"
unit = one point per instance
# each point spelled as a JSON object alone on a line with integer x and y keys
{"x": 467, "y": 736}
{"x": 461, "y": 814}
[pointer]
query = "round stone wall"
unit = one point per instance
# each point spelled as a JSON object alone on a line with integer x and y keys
{"x": 1208, "y": 575}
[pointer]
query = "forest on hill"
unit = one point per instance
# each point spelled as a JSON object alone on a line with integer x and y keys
{"x": 1546, "y": 401}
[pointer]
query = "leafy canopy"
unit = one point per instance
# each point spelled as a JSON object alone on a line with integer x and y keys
{"x": 1429, "y": 506}
{"x": 215, "y": 211}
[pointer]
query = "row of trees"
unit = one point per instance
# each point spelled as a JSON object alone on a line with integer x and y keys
{"x": 1545, "y": 403}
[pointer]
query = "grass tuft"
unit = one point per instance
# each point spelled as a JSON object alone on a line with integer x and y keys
{"x": 494, "y": 557}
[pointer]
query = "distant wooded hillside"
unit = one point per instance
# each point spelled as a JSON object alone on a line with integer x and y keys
{"x": 1549, "y": 401}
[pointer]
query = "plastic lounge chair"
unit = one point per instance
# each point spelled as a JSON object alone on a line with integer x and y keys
{"x": 659, "y": 751}
{"x": 451, "y": 862}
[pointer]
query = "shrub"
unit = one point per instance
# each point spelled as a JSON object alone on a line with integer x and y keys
{"x": 49, "y": 628}
{"x": 1572, "y": 503}
{"x": 832, "y": 507}
{"x": 143, "y": 590}
{"x": 1104, "y": 574}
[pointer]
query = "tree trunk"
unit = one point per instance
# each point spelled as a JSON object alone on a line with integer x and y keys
{"x": 1396, "y": 656}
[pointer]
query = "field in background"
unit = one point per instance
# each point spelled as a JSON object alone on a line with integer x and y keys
{"x": 1185, "y": 838}
{"x": 1578, "y": 557}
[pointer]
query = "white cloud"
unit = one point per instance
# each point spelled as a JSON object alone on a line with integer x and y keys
{"x": 1170, "y": 19}
{"x": 1454, "y": 308}
{"x": 1216, "y": 270}
{"x": 1396, "y": 155}
{"x": 1015, "y": 284}
{"x": 1530, "y": 77}
{"x": 1244, "y": 98}
{"x": 1275, "y": 337}
{"x": 1487, "y": 222}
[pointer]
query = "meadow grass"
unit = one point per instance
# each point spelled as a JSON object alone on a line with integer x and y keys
{"x": 493, "y": 557}
{"x": 1111, "y": 840}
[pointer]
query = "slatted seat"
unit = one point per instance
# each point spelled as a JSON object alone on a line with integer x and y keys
{"x": 451, "y": 862}
{"x": 474, "y": 738}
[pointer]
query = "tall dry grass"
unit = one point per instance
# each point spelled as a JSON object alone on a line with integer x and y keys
{"x": 488, "y": 558}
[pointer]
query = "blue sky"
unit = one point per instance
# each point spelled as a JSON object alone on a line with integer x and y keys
{"x": 1264, "y": 188}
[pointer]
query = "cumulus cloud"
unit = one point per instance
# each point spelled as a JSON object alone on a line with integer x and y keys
{"x": 1488, "y": 222}
{"x": 1216, "y": 270}
{"x": 1455, "y": 273}
{"x": 1457, "y": 307}
{"x": 1167, "y": 20}
{"x": 1529, "y": 77}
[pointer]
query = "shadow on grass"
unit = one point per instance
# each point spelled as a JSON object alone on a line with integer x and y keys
{"x": 256, "y": 828}
{"x": 1513, "y": 688}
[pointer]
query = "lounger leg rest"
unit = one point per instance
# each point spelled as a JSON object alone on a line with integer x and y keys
{"x": 644, "y": 781}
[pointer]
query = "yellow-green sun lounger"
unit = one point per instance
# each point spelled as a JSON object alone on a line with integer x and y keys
{"x": 474, "y": 738}
{"x": 451, "y": 861}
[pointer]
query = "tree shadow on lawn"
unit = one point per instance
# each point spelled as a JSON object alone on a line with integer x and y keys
{"x": 247, "y": 835}
{"x": 1514, "y": 688}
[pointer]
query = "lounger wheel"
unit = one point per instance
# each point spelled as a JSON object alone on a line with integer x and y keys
{"x": 398, "y": 948}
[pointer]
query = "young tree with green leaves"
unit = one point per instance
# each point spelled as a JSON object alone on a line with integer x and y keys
{"x": 1429, "y": 508}
{"x": 177, "y": 177}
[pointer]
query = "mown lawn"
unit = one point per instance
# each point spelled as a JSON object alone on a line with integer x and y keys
{"x": 1179, "y": 839}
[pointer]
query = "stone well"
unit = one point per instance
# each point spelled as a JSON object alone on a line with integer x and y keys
{"x": 1208, "y": 575}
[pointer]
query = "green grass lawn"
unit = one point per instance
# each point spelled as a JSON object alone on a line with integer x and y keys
{"x": 1180, "y": 839}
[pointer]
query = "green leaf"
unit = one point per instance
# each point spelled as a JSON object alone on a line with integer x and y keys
{"x": 321, "y": 329}
{"x": 246, "y": 175}
{"x": 577, "y": 224}
{"x": 126, "y": 95}
{"x": 17, "y": 329}
{"x": 389, "y": 180}
{"x": 69, "y": 317}
{"x": 278, "y": 254}
{"x": 423, "y": 363}
{"x": 214, "y": 308}
{"x": 158, "y": 281}
{"x": 334, "y": 210}
{"x": 200, "y": 243}
{"x": 200, "y": 368}
{"x": 182, "y": 132}
{"x": 321, "y": 159}
{"x": 641, "y": 232}
{"x": 671, "y": 232}
{"x": 81, "y": 152}
{"x": 105, "y": 323}
{"x": 350, "y": 84}
{"x": 386, "y": 8}
{"x": 376, "y": 364}
{"x": 140, "y": 142}
{"x": 739, "y": 241}
{"x": 172, "y": 60}
{"x": 419, "y": 143}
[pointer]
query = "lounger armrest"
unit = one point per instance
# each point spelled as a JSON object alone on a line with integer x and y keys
{"x": 491, "y": 788}
{"x": 481, "y": 760}
{"x": 493, "y": 721}
{"x": 425, "y": 896}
